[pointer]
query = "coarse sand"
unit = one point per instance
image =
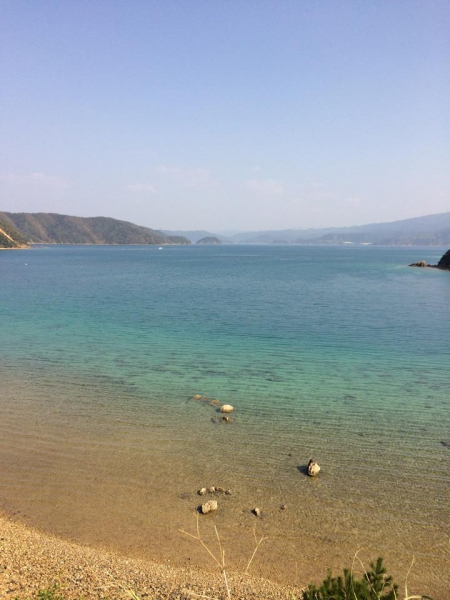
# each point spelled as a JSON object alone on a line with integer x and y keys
{"x": 31, "y": 561}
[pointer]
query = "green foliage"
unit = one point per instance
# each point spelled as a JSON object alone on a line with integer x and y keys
{"x": 50, "y": 594}
{"x": 50, "y": 228}
{"x": 9, "y": 236}
{"x": 374, "y": 585}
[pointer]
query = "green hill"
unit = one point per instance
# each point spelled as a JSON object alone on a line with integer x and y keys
{"x": 10, "y": 237}
{"x": 209, "y": 240}
{"x": 51, "y": 228}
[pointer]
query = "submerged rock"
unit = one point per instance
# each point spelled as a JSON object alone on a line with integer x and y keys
{"x": 226, "y": 408}
{"x": 313, "y": 468}
{"x": 208, "y": 507}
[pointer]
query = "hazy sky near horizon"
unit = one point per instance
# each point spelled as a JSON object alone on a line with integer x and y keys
{"x": 221, "y": 115}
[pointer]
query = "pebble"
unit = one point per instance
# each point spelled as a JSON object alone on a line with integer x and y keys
{"x": 53, "y": 558}
{"x": 209, "y": 506}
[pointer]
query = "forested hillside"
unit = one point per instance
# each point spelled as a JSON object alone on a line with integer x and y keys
{"x": 50, "y": 228}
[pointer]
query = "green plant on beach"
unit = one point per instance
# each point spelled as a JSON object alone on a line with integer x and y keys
{"x": 373, "y": 585}
{"x": 50, "y": 594}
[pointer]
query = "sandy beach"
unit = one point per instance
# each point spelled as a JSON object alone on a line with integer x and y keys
{"x": 33, "y": 561}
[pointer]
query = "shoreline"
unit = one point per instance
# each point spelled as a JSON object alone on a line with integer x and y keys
{"x": 34, "y": 561}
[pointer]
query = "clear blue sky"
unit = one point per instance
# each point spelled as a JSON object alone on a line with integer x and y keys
{"x": 233, "y": 114}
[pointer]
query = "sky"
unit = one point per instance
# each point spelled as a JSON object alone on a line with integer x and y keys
{"x": 226, "y": 114}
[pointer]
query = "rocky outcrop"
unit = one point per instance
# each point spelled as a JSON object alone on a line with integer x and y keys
{"x": 421, "y": 263}
{"x": 443, "y": 264}
{"x": 226, "y": 408}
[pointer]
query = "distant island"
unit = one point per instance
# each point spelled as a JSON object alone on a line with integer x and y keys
{"x": 209, "y": 240}
{"x": 443, "y": 264}
{"x": 17, "y": 230}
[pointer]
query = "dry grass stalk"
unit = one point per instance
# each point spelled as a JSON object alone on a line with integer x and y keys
{"x": 257, "y": 545}
{"x": 220, "y": 562}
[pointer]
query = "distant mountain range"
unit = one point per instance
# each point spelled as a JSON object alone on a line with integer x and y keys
{"x": 17, "y": 229}
{"x": 428, "y": 230}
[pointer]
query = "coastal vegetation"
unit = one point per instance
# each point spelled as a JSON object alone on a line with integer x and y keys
{"x": 50, "y": 228}
{"x": 10, "y": 237}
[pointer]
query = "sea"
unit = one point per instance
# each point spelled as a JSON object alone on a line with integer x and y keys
{"x": 336, "y": 353}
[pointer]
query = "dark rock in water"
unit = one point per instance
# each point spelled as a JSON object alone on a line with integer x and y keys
{"x": 443, "y": 264}
{"x": 445, "y": 443}
{"x": 313, "y": 468}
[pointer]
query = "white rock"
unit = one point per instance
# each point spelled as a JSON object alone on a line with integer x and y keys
{"x": 209, "y": 506}
{"x": 313, "y": 468}
{"x": 226, "y": 408}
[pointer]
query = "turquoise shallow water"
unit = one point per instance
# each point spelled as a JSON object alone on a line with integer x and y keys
{"x": 341, "y": 353}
